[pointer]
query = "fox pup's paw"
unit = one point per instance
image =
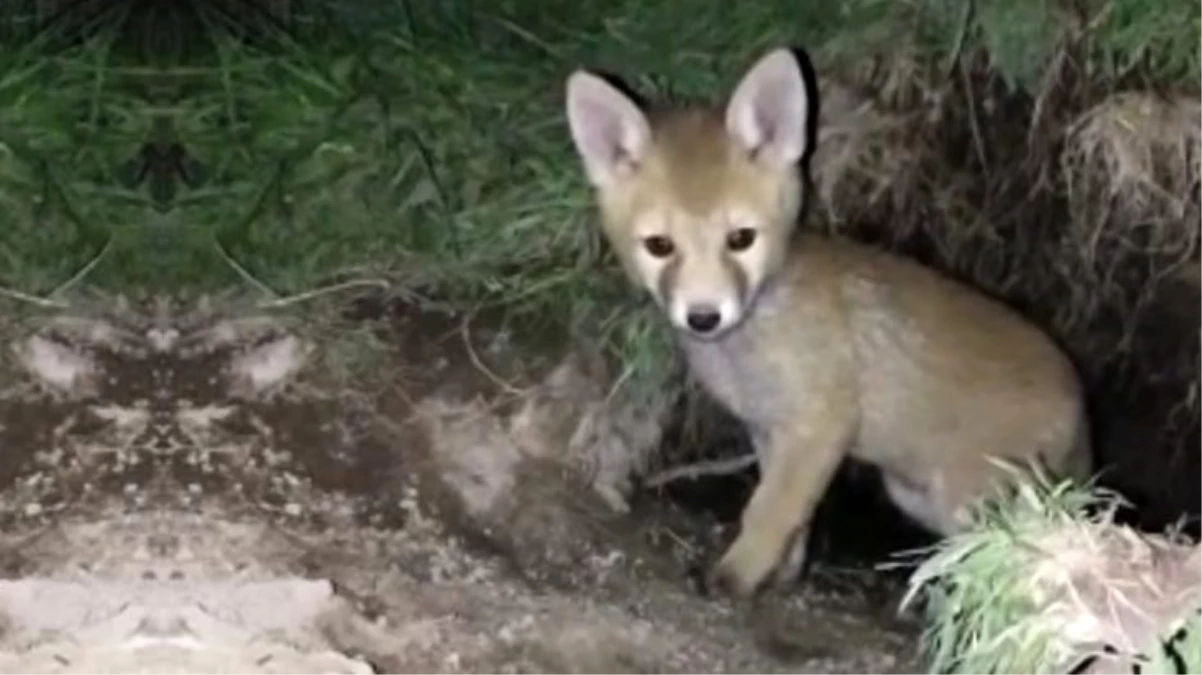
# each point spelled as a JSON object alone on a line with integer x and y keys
{"x": 742, "y": 572}
{"x": 793, "y": 566}
{"x": 727, "y": 582}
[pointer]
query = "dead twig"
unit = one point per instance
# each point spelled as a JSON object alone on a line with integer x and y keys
{"x": 32, "y": 299}
{"x": 318, "y": 292}
{"x": 465, "y": 333}
{"x": 51, "y": 301}
{"x": 706, "y": 468}
{"x": 965, "y": 24}
{"x": 83, "y": 272}
{"x": 242, "y": 272}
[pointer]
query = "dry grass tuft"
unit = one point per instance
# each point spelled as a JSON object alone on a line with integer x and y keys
{"x": 897, "y": 164}
{"x": 863, "y": 157}
{"x": 1131, "y": 168}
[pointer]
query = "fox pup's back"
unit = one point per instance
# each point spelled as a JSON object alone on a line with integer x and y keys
{"x": 822, "y": 348}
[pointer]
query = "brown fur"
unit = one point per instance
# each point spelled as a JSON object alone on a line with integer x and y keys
{"x": 825, "y": 349}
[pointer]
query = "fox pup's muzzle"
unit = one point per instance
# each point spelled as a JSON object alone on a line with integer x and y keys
{"x": 703, "y": 319}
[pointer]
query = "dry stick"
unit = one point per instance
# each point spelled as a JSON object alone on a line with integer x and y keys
{"x": 49, "y": 300}
{"x": 961, "y": 36}
{"x": 263, "y": 288}
{"x": 617, "y": 385}
{"x": 707, "y": 468}
{"x": 974, "y": 123}
{"x": 32, "y": 299}
{"x": 317, "y": 292}
{"x": 83, "y": 272}
{"x": 1054, "y": 73}
{"x": 465, "y": 333}
{"x": 956, "y": 63}
{"x": 680, "y": 541}
{"x": 277, "y": 302}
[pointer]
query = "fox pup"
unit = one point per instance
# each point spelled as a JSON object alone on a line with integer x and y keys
{"x": 822, "y": 348}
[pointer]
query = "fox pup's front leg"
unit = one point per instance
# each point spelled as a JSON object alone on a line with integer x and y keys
{"x": 789, "y": 569}
{"x": 800, "y": 463}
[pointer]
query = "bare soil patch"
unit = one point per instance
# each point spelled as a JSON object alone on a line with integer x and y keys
{"x": 203, "y": 494}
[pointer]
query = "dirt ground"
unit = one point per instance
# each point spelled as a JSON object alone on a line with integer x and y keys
{"x": 192, "y": 492}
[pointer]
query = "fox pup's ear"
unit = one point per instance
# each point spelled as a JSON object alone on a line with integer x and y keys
{"x": 768, "y": 112}
{"x": 610, "y": 132}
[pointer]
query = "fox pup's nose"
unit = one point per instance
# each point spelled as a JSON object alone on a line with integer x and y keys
{"x": 703, "y": 318}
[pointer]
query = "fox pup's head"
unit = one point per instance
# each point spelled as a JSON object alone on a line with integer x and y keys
{"x": 698, "y": 203}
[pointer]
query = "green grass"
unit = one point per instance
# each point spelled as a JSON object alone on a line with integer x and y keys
{"x": 1043, "y": 556}
{"x": 981, "y": 613}
{"x": 423, "y": 143}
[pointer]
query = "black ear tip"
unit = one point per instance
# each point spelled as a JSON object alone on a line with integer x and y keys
{"x": 802, "y": 57}
{"x": 619, "y": 84}
{"x": 809, "y": 77}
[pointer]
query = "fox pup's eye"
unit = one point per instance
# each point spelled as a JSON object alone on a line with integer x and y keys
{"x": 740, "y": 239}
{"x": 659, "y": 246}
